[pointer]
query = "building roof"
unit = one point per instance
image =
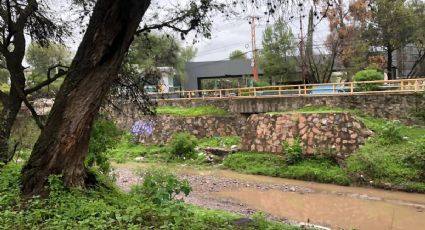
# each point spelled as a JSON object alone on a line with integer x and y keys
{"x": 216, "y": 69}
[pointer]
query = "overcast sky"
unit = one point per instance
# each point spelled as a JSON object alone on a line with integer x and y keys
{"x": 228, "y": 34}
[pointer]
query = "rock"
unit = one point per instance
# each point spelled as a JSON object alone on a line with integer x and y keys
{"x": 234, "y": 148}
{"x": 139, "y": 159}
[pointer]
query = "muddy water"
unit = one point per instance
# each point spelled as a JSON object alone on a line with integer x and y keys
{"x": 338, "y": 207}
{"x": 331, "y": 205}
{"x": 331, "y": 210}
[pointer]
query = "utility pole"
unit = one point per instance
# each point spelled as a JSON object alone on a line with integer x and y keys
{"x": 303, "y": 76}
{"x": 254, "y": 50}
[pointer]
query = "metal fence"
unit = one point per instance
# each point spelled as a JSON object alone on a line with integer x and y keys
{"x": 344, "y": 88}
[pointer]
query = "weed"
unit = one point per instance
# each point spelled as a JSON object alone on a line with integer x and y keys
{"x": 182, "y": 146}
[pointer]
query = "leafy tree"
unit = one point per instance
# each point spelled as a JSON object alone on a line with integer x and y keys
{"x": 391, "y": 27}
{"x": 63, "y": 143}
{"x": 276, "y": 58}
{"x": 20, "y": 20}
{"x": 418, "y": 40}
{"x": 186, "y": 55}
{"x": 237, "y": 55}
{"x": 54, "y": 57}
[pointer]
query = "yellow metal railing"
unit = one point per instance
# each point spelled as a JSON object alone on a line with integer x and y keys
{"x": 344, "y": 88}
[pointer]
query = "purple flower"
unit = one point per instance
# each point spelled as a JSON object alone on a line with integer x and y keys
{"x": 142, "y": 128}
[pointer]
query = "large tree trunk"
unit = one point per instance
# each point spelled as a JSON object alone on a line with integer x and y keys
{"x": 63, "y": 143}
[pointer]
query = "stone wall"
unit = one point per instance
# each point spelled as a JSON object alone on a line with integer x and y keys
{"x": 162, "y": 127}
{"x": 389, "y": 106}
{"x": 318, "y": 132}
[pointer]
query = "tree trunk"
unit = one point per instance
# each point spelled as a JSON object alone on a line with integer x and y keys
{"x": 63, "y": 143}
{"x": 390, "y": 63}
{"x": 12, "y": 103}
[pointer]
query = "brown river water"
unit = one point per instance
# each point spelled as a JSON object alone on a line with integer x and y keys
{"x": 333, "y": 206}
{"x": 337, "y": 207}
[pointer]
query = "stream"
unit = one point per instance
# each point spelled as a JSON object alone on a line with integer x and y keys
{"x": 295, "y": 202}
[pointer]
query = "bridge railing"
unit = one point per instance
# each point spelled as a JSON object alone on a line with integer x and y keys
{"x": 344, "y": 88}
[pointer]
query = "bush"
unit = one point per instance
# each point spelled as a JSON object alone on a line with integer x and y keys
{"x": 104, "y": 135}
{"x": 368, "y": 75}
{"x": 293, "y": 152}
{"x": 390, "y": 133}
{"x": 160, "y": 186}
{"x": 182, "y": 146}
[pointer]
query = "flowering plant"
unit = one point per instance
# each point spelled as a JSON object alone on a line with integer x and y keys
{"x": 142, "y": 128}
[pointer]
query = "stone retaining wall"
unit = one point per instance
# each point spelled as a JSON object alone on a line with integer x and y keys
{"x": 164, "y": 126}
{"x": 318, "y": 132}
{"x": 386, "y": 105}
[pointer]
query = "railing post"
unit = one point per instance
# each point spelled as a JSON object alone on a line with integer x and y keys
{"x": 352, "y": 87}
{"x": 190, "y": 94}
{"x": 416, "y": 85}
{"x": 255, "y": 92}
{"x": 220, "y": 93}
{"x": 299, "y": 90}
{"x": 333, "y": 88}
{"x": 305, "y": 89}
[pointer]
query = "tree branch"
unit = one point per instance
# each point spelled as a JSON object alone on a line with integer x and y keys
{"x": 34, "y": 114}
{"x": 49, "y": 79}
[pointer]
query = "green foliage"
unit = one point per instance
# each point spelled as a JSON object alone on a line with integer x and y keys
{"x": 128, "y": 149}
{"x": 104, "y": 136}
{"x": 226, "y": 141}
{"x": 293, "y": 152}
{"x": 260, "y": 83}
{"x": 255, "y": 163}
{"x": 182, "y": 146}
{"x": 192, "y": 112}
{"x": 275, "y": 58}
{"x": 390, "y": 133}
{"x": 237, "y": 55}
{"x": 368, "y": 75}
{"x": 101, "y": 208}
{"x": 160, "y": 186}
{"x": 41, "y": 59}
{"x": 274, "y": 165}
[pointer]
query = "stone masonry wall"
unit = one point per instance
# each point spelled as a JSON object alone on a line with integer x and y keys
{"x": 389, "y": 106}
{"x": 318, "y": 132}
{"x": 164, "y": 126}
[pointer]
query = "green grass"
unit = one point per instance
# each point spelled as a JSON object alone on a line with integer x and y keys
{"x": 219, "y": 141}
{"x": 192, "y": 112}
{"x": 275, "y": 165}
{"x": 105, "y": 208}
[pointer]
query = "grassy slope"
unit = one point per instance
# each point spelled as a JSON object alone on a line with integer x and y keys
{"x": 192, "y": 112}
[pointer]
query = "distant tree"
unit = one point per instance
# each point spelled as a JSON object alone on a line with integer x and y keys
{"x": 418, "y": 40}
{"x": 276, "y": 58}
{"x": 346, "y": 21}
{"x": 55, "y": 57}
{"x": 391, "y": 26}
{"x": 186, "y": 54}
{"x": 237, "y": 55}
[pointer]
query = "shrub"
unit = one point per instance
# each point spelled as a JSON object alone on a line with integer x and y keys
{"x": 293, "y": 152}
{"x": 390, "y": 133}
{"x": 182, "y": 146}
{"x": 159, "y": 186}
{"x": 104, "y": 135}
{"x": 368, "y": 75}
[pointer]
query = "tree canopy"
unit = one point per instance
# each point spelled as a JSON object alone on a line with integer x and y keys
{"x": 277, "y": 57}
{"x": 237, "y": 55}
